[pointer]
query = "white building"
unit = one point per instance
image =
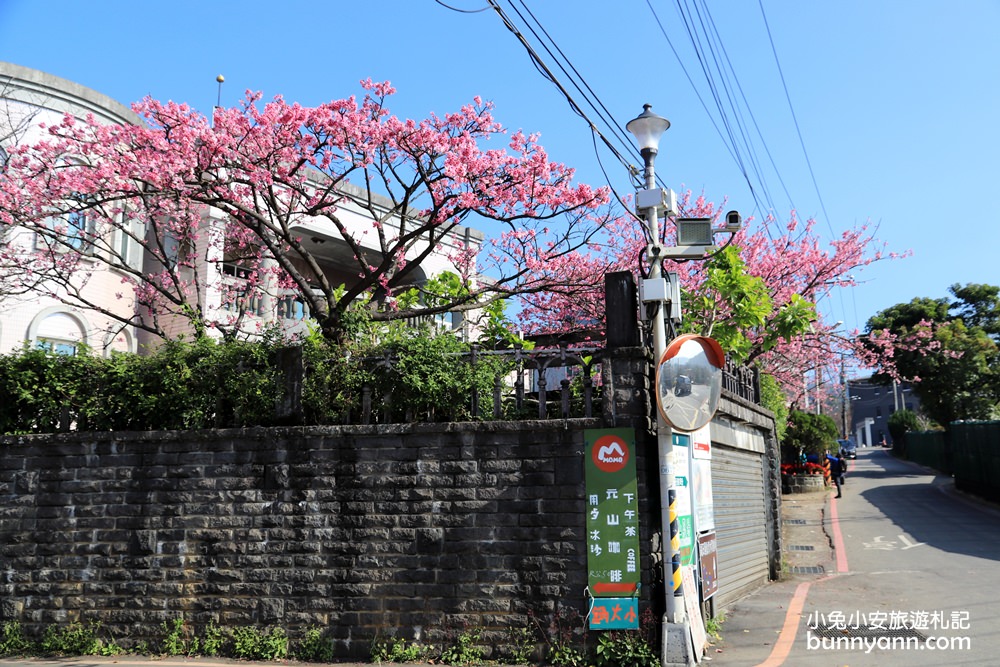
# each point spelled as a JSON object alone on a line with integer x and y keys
{"x": 29, "y": 97}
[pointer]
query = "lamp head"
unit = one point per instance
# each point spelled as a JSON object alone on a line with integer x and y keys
{"x": 648, "y": 128}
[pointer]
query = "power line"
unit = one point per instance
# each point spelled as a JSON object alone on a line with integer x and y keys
{"x": 729, "y": 146}
{"x": 548, "y": 74}
{"x": 795, "y": 119}
{"x": 462, "y": 11}
{"x": 729, "y": 82}
{"x": 592, "y": 98}
{"x": 753, "y": 118}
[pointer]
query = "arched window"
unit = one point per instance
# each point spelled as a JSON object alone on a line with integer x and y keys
{"x": 57, "y": 331}
{"x": 121, "y": 340}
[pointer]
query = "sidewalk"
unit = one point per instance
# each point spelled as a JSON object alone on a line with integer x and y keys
{"x": 753, "y": 625}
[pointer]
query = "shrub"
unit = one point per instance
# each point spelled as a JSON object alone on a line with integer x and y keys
{"x": 76, "y": 639}
{"x": 314, "y": 647}
{"x": 12, "y": 640}
{"x": 395, "y": 649}
{"x": 465, "y": 650}
{"x": 814, "y": 433}
{"x": 253, "y": 644}
{"x": 901, "y": 422}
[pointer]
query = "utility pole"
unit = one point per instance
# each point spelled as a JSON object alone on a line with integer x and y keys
{"x": 847, "y": 396}
{"x": 648, "y": 128}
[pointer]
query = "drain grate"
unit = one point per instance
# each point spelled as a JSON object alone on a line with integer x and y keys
{"x": 865, "y": 631}
{"x": 796, "y": 522}
{"x": 807, "y": 569}
{"x": 801, "y": 547}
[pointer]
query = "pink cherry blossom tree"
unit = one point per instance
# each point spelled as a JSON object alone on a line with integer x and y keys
{"x": 254, "y": 189}
{"x": 784, "y": 335}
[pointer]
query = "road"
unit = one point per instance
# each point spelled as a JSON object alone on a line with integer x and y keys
{"x": 917, "y": 574}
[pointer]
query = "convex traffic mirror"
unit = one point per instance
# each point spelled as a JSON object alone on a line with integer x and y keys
{"x": 689, "y": 381}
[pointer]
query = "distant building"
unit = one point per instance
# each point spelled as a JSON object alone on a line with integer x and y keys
{"x": 872, "y": 404}
{"x": 55, "y": 321}
{"x": 29, "y": 98}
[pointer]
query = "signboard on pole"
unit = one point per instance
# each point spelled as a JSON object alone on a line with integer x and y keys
{"x": 707, "y": 548}
{"x": 614, "y": 614}
{"x": 612, "y": 520}
{"x": 682, "y": 482}
{"x": 701, "y": 480}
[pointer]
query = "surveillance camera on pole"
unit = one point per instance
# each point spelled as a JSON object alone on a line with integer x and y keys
{"x": 734, "y": 222}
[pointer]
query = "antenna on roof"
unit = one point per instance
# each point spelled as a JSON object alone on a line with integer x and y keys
{"x": 220, "y": 79}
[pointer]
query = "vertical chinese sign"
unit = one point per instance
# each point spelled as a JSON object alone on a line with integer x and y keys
{"x": 682, "y": 482}
{"x": 612, "y": 528}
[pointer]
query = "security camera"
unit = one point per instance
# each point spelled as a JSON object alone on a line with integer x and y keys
{"x": 733, "y": 222}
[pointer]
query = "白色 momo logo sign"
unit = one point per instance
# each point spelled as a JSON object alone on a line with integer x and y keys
{"x": 610, "y": 453}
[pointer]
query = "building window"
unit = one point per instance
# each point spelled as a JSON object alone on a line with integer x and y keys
{"x": 72, "y": 230}
{"x": 66, "y": 348}
{"x": 235, "y": 270}
{"x": 57, "y": 332}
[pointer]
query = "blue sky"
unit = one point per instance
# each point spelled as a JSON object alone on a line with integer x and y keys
{"x": 896, "y": 102}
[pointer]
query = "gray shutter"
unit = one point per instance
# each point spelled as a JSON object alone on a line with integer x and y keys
{"x": 740, "y": 522}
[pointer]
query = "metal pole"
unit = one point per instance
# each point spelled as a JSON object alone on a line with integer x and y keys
{"x": 664, "y": 434}
{"x": 676, "y": 644}
{"x": 847, "y": 397}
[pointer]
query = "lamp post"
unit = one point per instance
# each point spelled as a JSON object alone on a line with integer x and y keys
{"x": 648, "y": 128}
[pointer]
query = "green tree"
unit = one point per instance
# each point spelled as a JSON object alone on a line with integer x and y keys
{"x": 772, "y": 398}
{"x": 978, "y": 306}
{"x": 955, "y": 370}
{"x": 815, "y": 434}
{"x": 736, "y": 309}
{"x": 901, "y": 422}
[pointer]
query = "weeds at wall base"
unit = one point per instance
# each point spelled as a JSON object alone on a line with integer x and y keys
{"x": 561, "y": 648}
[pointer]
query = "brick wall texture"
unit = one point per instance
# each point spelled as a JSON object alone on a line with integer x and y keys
{"x": 414, "y": 530}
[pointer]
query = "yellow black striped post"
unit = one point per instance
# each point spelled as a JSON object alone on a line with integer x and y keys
{"x": 675, "y": 541}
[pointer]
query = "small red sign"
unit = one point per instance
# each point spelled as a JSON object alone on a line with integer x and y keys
{"x": 610, "y": 453}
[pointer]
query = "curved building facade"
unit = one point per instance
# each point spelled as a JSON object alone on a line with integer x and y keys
{"x": 28, "y": 99}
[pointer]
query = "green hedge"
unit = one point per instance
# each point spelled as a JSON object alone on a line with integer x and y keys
{"x": 210, "y": 384}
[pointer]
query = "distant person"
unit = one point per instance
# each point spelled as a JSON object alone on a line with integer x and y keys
{"x": 839, "y": 470}
{"x": 883, "y": 443}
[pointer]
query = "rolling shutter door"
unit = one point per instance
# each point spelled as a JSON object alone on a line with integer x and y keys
{"x": 740, "y": 522}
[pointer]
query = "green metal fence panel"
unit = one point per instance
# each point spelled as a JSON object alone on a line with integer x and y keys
{"x": 929, "y": 448}
{"x": 975, "y": 450}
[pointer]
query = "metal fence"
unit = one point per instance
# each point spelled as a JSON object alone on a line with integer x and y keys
{"x": 548, "y": 383}
{"x": 742, "y": 381}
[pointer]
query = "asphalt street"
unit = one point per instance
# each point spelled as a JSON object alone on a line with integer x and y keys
{"x": 911, "y": 579}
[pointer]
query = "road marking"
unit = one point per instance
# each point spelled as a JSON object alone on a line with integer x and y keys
{"x": 888, "y": 545}
{"x": 838, "y": 538}
{"x": 786, "y": 639}
{"x": 879, "y": 544}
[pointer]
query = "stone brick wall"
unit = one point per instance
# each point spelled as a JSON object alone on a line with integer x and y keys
{"x": 415, "y": 530}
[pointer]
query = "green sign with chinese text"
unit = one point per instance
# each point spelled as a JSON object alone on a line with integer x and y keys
{"x": 612, "y": 509}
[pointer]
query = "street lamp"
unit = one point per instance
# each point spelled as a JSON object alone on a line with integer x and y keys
{"x": 648, "y": 128}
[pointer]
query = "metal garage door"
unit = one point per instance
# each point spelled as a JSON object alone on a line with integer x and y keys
{"x": 740, "y": 522}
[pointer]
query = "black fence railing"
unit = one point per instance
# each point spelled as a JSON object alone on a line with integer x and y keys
{"x": 743, "y": 381}
{"x": 549, "y": 383}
